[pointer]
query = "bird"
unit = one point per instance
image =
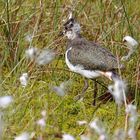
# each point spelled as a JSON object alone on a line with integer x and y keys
{"x": 85, "y": 57}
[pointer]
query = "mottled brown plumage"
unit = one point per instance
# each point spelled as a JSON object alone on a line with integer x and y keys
{"x": 90, "y": 55}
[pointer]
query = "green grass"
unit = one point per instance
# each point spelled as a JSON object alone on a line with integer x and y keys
{"x": 106, "y": 22}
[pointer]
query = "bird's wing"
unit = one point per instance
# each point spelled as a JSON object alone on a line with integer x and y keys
{"x": 91, "y": 56}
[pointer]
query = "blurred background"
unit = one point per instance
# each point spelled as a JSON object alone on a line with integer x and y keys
{"x": 37, "y": 23}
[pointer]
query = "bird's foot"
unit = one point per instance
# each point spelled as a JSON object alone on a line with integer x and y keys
{"x": 78, "y": 97}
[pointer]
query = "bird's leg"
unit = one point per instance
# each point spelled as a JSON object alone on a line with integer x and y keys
{"x": 81, "y": 95}
{"x": 95, "y": 92}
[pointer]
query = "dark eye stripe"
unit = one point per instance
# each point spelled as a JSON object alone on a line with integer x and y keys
{"x": 70, "y": 20}
{"x": 66, "y": 28}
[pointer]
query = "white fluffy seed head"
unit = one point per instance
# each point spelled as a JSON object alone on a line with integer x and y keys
{"x": 23, "y": 136}
{"x": 43, "y": 113}
{"x": 103, "y": 137}
{"x": 132, "y": 134}
{"x": 24, "y": 79}
{"x": 131, "y": 109}
{"x": 40, "y": 56}
{"x": 130, "y": 42}
{"x": 118, "y": 90}
{"x": 44, "y": 57}
{"x": 31, "y": 53}
{"x": 119, "y": 134}
{"x": 97, "y": 126}
{"x": 62, "y": 89}
{"x": 67, "y": 137}
{"x": 59, "y": 91}
{"x": 25, "y": 75}
{"x": 81, "y": 122}
{"x": 29, "y": 38}
{"x": 41, "y": 122}
{"x": 5, "y": 101}
{"x": 85, "y": 137}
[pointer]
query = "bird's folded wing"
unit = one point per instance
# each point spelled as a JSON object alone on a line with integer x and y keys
{"x": 92, "y": 57}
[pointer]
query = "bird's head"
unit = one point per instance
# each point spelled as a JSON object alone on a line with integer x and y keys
{"x": 71, "y": 28}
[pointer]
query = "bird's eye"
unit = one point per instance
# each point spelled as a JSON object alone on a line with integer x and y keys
{"x": 72, "y": 20}
{"x": 66, "y": 28}
{"x": 71, "y": 25}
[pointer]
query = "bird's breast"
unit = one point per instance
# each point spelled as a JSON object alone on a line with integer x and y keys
{"x": 80, "y": 69}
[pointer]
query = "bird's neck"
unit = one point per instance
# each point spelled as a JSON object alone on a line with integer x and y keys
{"x": 72, "y": 35}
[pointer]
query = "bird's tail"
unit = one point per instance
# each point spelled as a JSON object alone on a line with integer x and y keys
{"x": 112, "y": 75}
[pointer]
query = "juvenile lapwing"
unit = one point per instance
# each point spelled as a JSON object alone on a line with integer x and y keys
{"x": 86, "y": 57}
